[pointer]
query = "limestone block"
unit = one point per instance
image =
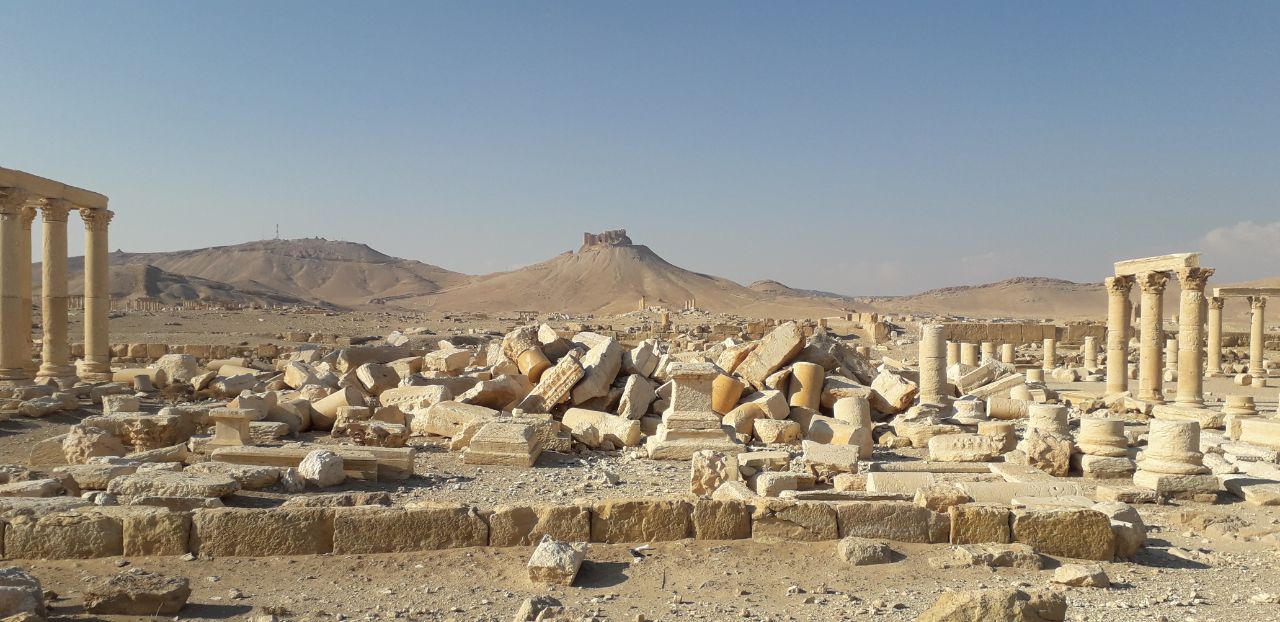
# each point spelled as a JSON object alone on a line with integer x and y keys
{"x": 772, "y": 431}
{"x": 771, "y": 484}
{"x": 771, "y": 353}
{"x": 155, "y": 532}
{"x": 84, "y": 442}
{"x": 832, "y": 431}
{"x": 892, "y": 393}
{"x": 591, "y": 428}
{"x": 863, "y": 552}
{"x": 827, "y": 460}
{"x": 32, "y": 488}
{"x": 449, "y": 361}
{"x": 498, "y": 393}
{"x": 710, "y": 469}
{"x": 325, "y": 411}
{"x": 898, "y": 521}
{"x": 601, "y": 365}
{"x": 20, "y": 593}
{"x": 734, "y": 355}
{"x": 448, "y": 418}
{"x": 298, "y": 375}
{"x": 136, "y": 592}
{"x": 965, "y": 448}
{"x": 524, "y": 525}
{"x": 618, "y": 521}
{"x": 423, "y": 526}
{"x": 978, "y": 523}
{"x": 63, "y": 535}
{"x": 94, "y": 476}
{"x": 170, "y": 484}
{"x": 637, "y": 395}
{"x": 554, "y": 385}
{"x": 1050, "y": 452}
{"x": 997, "y": 604}
{"x": 1076, "y": 533}
{"x": 176, "y": 368}
{"x": 721, "y": 519}
{"x": 238, "y": 532}
{"x": 120, "y": 404}
{"x": 836, "y": 388}
{"x": 792, "y": 520}
{"x": 734, "y": 491}
{"x": 503, "y": 443}
{"x": 641, "y": 360}
{"x": 555, "y": 562}
{"x": 48, "y": 452}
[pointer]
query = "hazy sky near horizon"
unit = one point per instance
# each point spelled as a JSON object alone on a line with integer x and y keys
{"x": 862, "y": 148}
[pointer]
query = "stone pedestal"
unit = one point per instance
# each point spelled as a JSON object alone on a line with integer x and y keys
{"x": 230, "y": 427}
{"x": 1215, "y": 337}
{"x": 933, "y": 365}
{"x": 1236, "y": 409}
{"x": 1190, "y": 360}
{"x": 1172, "y": 464}
{"x": 1150, "y": 377}
{"x": 1104, "y": 449}
{"x": 1050, "y": 359}
{"x": 1035, "y": 375}
{"x": 690, "y": 425}
{"x": 1090, "y": 353}
{"x": 1118, "y": 312}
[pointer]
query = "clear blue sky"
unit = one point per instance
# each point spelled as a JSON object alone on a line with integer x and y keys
{"x": 865, "y": 148}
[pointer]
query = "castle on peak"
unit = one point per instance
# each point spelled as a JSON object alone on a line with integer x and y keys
{"x": 617, "y": 237}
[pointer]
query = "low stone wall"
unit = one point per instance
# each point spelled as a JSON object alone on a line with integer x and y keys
{"x": 1017, "y": 333}
{"x": 111, "y": 531}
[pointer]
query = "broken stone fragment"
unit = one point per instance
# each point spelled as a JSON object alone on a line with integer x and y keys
{"x": 775, "y": 350}
{"x": 555, "y": 562}
{"x": 322, "y": 468}
{"x": 601, "y": 364}
{"x": 136, "y": 592}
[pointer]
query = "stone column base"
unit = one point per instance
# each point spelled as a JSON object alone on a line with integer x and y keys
{"x": 64, "y": 375}
{"x": 17, "y": 377}
{"x": 90, "y": 371}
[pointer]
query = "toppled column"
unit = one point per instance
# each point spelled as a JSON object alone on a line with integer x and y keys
{"x": 1215, "y": 337}
{"x": 1190, "y": 333}
{"x": 1118, "y": 312}
{"x": 1172, "y": 464}
{"x": 933, "y": 365}
{"x": 1090, "y": 353}
{"x": 1257, "y": 338}
{"x": 1050, "y": 360}
{"x": 1150, "y": 378}
{"x": 522, "y": 346}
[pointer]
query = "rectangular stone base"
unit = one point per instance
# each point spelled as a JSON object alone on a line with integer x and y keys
{"x": 471, "y": 456}
{"x": 1125, "y": 494}
{"x": 1177, "y": 486}
{"x": 1102, "y": 467}
{"x": 1208, "y": 419}
{"x": 667, "y": 446}
{"x": 1254, "y": 491}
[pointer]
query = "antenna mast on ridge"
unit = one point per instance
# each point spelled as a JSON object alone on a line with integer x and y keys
{"x": 277, "y": 231}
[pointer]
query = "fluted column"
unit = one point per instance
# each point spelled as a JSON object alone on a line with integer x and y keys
{"x": 1118, "y": 313}
{"x": 1151, "y": 348}
{"x": 97, "y": 296}
{"x": 1215, "y": 336}
{"x": 1257, "y": 339}
{"x": 56, "y": 355}
{"x": 1191, "y": 335}
{"x": 15, "y": 340}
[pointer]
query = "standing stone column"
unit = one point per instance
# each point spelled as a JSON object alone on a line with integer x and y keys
{"x": 1090, "y": 353}
{"x": 953, "y": 353}
{"x": 1050, "y": 354}
{"x": 987, "y": 350}
{"x": 1150, "y": 378}
{"x": 933, "y": 364}
{"x": 15, "y": 340}
{"x": 56, "y": 356}
{"x": 1006, "y": 353}
{"x": 1118, "y": 313}
{"x": 1171, "y": 353}
{"x": 1190, "y": 336}
{"x": 97, "y": 296}
{"x": 24, "y": 280}
{"x": 1257, "y": 339}
{"x": 1215, "y": 336}
{"x": 969, "y": 354}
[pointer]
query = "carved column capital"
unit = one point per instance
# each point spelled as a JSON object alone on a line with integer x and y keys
{"x": 28, "y": 215}
{"x": 13, "y": 202}
{"x": 1119, "y": 285}
{"x": 56, "y": 210}
{"x": 1216, "y": 303}
{"x": 1257, "y": 303}
{"x": 1153, "y": 282}
{"x": 1194, "y": 278}
{"x": 96, "y": 219}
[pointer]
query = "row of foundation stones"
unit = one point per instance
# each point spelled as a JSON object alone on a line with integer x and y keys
{"x": 241, "y": 532}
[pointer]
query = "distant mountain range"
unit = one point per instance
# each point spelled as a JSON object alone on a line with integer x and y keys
{"x": 609, "y": 274}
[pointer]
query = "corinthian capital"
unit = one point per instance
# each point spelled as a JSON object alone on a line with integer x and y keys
{"x": 1153, "y": 282}
{"x": 1216, "y": 303}
{"x": 56, "y": 210}
{"x": 1257, "y": 303}
{"x": 1119, "y": 285}
{"x": 12, "y": 202}
{"x": 1194, "y": 278}
{"x": 96, "y": 219}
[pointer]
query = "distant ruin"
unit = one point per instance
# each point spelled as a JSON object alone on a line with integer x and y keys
{"x": 617, "y": 237}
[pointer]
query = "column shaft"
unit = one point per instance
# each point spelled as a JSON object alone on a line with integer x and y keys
{"x": 97, "y": 297}
{"x": 1118, "y": 313}
{"x": 1257, "y": 339}
{"x": 1151, "y": 349}
{"x": 1215, "y": 336}
{"x": 15, "y": 339}
{"x": 1191, "y": 336}
{"x": 56, "y": 356}
{"x": 24, "y": 282}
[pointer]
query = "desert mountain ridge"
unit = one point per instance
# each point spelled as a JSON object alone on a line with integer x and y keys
{"x": 607, "y": 274}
